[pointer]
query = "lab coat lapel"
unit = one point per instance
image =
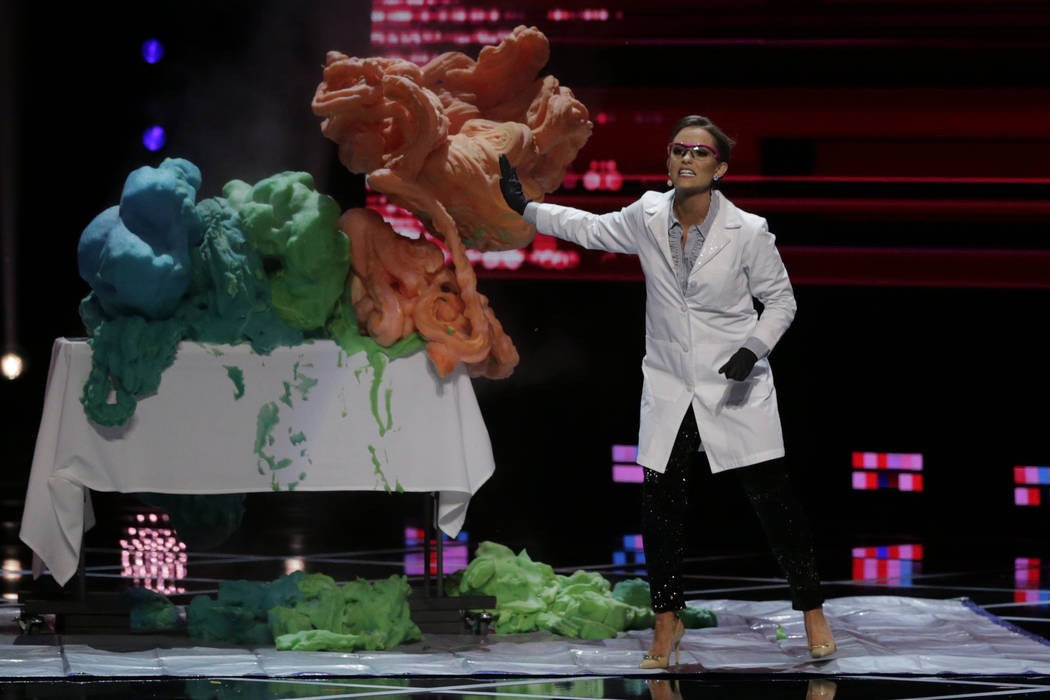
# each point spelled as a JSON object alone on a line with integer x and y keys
{"x": 720, "y": 234}
{"x": 656, "y": 220}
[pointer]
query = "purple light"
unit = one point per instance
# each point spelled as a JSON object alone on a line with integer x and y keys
{"x": 627, "y": 474}
{"x": 152, "y": 51}
{"x": 154, "y": 138}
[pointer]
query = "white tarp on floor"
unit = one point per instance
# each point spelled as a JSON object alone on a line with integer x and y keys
{"x": 875, "y": 634}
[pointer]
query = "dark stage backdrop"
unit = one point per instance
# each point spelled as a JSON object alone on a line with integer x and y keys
{"x": 897, "y": 149}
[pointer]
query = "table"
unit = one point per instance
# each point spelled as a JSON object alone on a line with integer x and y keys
{"x": 226, "y": 420}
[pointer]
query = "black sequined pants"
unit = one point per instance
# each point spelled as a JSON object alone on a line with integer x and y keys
{"x": 665, "y": 505}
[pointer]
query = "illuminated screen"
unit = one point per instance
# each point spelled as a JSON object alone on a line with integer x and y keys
{"x": 625, "y": 470}
{"x": 892, "y": 565}
{"x": 453, "y": 555}
{"x": 1027, "y": 577}
{"x": 887, "y": 470}
{"x": 622, "y": 60}
{"x": 1027, "y": 481}
{"x": 152, "y": 556}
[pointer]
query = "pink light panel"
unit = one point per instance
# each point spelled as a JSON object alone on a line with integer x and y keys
{"x": 153, "y": 558}
{"x": 1026, "y": 480}
{"x": 872, "y": 481}
{"x": 1027, "y": 572}
{"x": 888, "y": 572}
{"x": 912, "y": 552}
{"x": 627, "y": 474}
{"x": 453, "y": 556}
{"x": 1031, "y": 596}
{"x": 601, "y": 175}
{"x": 887, "y": 460}
{"x": 624, "y": 468}
{"x": 891, "y": 565}
{"x": 599, "y": 14}
{"x": 419, "y": 31}
{"x": 543, "y": 253}
{"x": 892, "y": 470}
{"x": 1032, "y": 475}
{"x": 1027, "y": 578}
{"x": 1027, "y": 496}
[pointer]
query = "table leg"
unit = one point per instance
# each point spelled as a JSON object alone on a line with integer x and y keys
{"x": 439, "y": 543}
{"x": 81, "y": 594}
{"x": 428, "y": 529}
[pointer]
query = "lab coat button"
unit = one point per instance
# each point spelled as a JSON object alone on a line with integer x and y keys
{"x": 684, "y": 307}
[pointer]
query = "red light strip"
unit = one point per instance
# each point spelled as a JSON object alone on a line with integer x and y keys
{"x": 843, "y": 266}
{"x": 1027, "y": 496}
{"x": 891, "y": 179}
{"x": 918, "y": 267}
{"x": 861, "y": 179}
{"x": 897, "y": 551}
{"x": 865, "y": 207}
{"x": 887, "y": 460}
{"x": 1032, "y": 475}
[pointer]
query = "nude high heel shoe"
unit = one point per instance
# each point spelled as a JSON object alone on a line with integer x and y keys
{"x": 663, "y": 660}
{"x": 818, "y": 651}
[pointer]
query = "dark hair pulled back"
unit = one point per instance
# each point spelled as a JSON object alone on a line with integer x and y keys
{"x": 724, "y": 143}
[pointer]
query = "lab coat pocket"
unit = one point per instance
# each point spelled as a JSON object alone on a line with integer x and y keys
{"x": 737, "y": 394}
{"x": 750, "y": 392}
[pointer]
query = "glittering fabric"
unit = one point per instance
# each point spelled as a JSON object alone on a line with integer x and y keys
{"x": 665, "y": 506}
{"x": 787, "y": 529}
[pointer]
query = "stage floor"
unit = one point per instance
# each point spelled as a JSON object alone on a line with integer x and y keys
{"x": 953, "y": 579}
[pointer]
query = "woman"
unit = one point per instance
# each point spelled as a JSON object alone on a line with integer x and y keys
{"x": 705, "y": 377}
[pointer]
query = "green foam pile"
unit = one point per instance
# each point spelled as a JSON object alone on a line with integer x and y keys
{"x": 239, "y": 615}
{"x": 530, "y": 596}
{"x": 357, "y": 615}
{"x": 635, "y": 591}
{"x": 151, "y": 610}
{"x": 306, "y": 612}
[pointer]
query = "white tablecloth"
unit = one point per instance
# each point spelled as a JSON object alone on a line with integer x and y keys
{"x": 308, "y": 420}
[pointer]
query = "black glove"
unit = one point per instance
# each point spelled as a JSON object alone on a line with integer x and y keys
{"x": 510, "y": 186}
{"x": 739, "y": 365}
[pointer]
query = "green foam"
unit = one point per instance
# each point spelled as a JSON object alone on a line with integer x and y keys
{"x": 271, "y": 265}
{"x": 380, "y": 476}
{"x": 267, "y": 420}
{"x": 294, "y": 228}
{"x": 530, "y": 596}
{"x": 358, "y": 615}
{"x": 236, "y": 375}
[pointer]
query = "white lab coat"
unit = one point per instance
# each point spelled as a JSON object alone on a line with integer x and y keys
{"x": 689, "y": 336}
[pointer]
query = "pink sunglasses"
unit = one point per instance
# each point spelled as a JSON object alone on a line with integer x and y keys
{"x": 678, "y": 150}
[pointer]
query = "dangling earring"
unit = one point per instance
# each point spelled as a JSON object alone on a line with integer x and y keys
{"x": 669, "y": 183}
{"x": 716, "y": 178}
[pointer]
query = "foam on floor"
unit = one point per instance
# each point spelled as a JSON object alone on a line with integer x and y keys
{"x": 875, "y": 634}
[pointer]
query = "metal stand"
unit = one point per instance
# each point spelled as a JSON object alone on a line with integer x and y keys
{"x": 435, "y": 613}
{"x": 431, "y": 503}
{"x": 428, "y": 522}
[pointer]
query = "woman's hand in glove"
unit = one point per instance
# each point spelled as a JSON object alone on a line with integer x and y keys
{"x": 739, "y": 365}
{"x": 510, "y": 186}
